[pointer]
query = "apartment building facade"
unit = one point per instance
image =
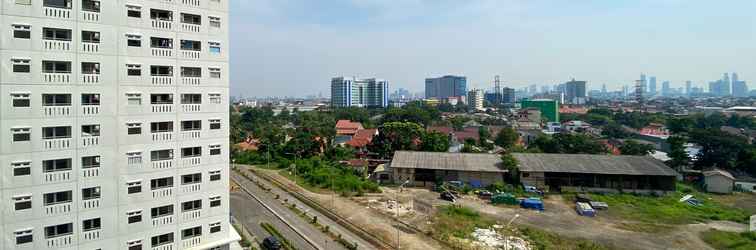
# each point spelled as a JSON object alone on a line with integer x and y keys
{"x": 357, "y": 92}
{"x": 114, "y": 119}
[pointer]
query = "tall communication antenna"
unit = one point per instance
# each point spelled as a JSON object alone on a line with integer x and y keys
{"x": 497, "y": 89}
{"x": 639, "y": 93}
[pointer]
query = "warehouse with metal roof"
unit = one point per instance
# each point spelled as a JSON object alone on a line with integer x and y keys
{"x": 428, "y": 168}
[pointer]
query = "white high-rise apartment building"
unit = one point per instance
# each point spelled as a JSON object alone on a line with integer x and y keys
{"x": 114, "y": 125}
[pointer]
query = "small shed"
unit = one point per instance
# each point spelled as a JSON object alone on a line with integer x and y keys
{"x": 718, "y": 181}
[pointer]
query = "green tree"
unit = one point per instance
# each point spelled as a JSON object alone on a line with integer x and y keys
{"x": 747, "y": 161}
{"x": 507, "y": 138}
{"x": 678, "y": 156}
{"x": 632, "y": 147}
{"x": 680, "y": 125}
{"x": 509, "y": 162}
{"x": 717, "y": 148}
{"x": 484, "y": 133}
{"x": 615, "y": 131}
{"x": 395, "y": 136}
{"x": 435, "y": 142}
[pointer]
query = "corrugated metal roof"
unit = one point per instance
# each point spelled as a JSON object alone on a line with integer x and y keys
{"x": 447, "y": 161}
{"x": 593, "y": 164}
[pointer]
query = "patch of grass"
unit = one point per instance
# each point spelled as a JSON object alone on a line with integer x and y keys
{"x": 546, "y": 240}
{"x": 273, "y": 231}
{"x": 642, "y": 227}
{"x": 460, "y": 222}
{"x": 728, "y": 240}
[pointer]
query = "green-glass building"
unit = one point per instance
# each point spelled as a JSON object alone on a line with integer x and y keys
{"x": 549, "y": 108}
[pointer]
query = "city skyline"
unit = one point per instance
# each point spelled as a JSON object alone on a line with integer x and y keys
{"x": 408, "y": 42}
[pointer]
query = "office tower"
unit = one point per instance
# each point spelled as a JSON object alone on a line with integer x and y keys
{"x": 725, "y": 85}
{"x": 603, "y": 88}
{"x": 115, "y": 125}
{"x": 575, "y": 92}
{"x": 445, "y": 87}
{"x": 665, "y": 91}
{"x": 644, "y": 83}
{"x": 652, "y": 86}
{"x": 688, "y": 86}
{"x": 475, "y": 99}
{"x": 508, "y": 95}
{"x": 739, "y": 88}
{"x": 357, "y": 92}
{"x": 533, "y": 89}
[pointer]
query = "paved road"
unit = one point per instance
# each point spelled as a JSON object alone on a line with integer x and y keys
{"x": 317, "y": 237}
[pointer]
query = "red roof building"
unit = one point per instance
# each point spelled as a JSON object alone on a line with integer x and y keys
{"x": 362, "y": 138}
{"x": 347, "y": 127}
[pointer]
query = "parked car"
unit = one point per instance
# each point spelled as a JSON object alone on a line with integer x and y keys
{"x": 271, "y": 243}
{"x": 532, "y": 189}
{"x": 446, "y": 195}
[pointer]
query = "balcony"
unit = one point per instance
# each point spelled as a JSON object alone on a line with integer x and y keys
{"x": 92, "y": 235}
{"x": 162, "y": 136}
{"x": 61, "y": 143}
{"x": 57, "y": 176}
{"x": 190, "y": 135}
{"x": 56, "y": 45}
{"x": 189, "y": 27}
{"x": 90, "y": 78}
{"x": 90, "y": 109}
{"x": 162, "y": 193}
{"x": 190, "y": 80}
{"x": 90, "y": 16}
{"x": 57, "y": 12}
{"x": 56, "y": 77}
{"x": 191, "y": 2}
{"x": 162, "y": 80}
{"x": 56, "y": 209}
{"x": 56, "y": 111}
{"x": 163, "y": 52}
{"x": 190, "y": 54}
{"x": 90, "y": 141}
{"x": 162, "y": 24}
{"x": 91, "y": 203}
{"x": 168, "y": 246}
{"x": 163, "y": 164}
{"x": 60, "y": 241}
{"x": 163, "y": 220}
{"x": 191, "y": 188}
{"x": 191, "y": 242}
{"x": 189, "y": 108}
{"x": 191, "y": 215}
{"x": 191, "y": 161}
{"x": 162, "y": 108}
{"x": 90, "y": 47}
{"x": 90, "y": 172}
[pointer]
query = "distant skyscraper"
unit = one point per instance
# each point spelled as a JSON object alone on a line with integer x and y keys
{"x": 533, "y": 89}
{"x": 688, "y": 85}
{"x": 603, "y": 88}
{"x": 355, "y": 92}
{"x": 726, "y": 83}
{"x": 508, "y": 95}
{"x": 739, "y": 88}
{"x": 665, "y": 91}
{"x": 445, "y": 87}
{"x": 644, "y": 83}
{"x": 475, "y": 99}
{"x": 652, "y": 86}
{"x": 575, "y": 92}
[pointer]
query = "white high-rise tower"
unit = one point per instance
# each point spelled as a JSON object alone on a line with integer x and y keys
{"x": 114, "y": 124}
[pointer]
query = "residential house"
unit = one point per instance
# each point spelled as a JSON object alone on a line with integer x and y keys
{"x": 718, "y": 181}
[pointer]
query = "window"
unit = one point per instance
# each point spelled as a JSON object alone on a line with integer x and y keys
{"x": 22, "y": 202}
{"x": 90, "y": 36}
{"x": 215, "y": 21}
{"x": 58, "y": 230}
{"x": 215, "y": 227}
{"x": 21, "y": 65}
{"x": 23, "y": 2}
{"x": 23, "y": 236}
{"x": 191, "y": 18}
{"x": 162, "y": 43}
{"x": 161, "y": 98}
{"x": 91, "y": 224}
{"x": 191, "y": 45}
{"x": 191, "y": 152}
{"x": 134, "y": 187}
{"x": 191, "y": 232}
{"x": 161, "y": 211}
{"x": 161, "y": 127}
{"x": 161, "y": 183}
{"x": 162, "y": 155}
{"x": 21, "y": 134}
{"x": 21, "y": 168}
{"x": 191, "y": 125}
{"x": 161, "y": 70}
{"x": 191, "y": 205}
{"x": 215, "y": 47}
{"x": 215, "y": 149}
{"x": 21, "y": 31}
{"x": 134, "y": 128}
{"x": 56, "y": 99}
{"x": 191, "y": 98}
{"x": 188, "y": 179}
{"x": 65, "y": 4}
{"x": 21, "y": 100}
{"x": 133, "y": 69}
{"x": 56, "y": 165}
{"x": 57, "y": 198}
{"x": 90, "y": 130}
{"x": 90, "y": 161}
{"x": 215, "y": 124}
{"x": 215, "y": 201}
{"x": 56, "y": 132}
{"x": 56, "y": 34}
{"x": 56, "y": 67}
{"x": 90, "y": 193}
{"x": 215, "y": 72}
{"x": 162, "y": 239}
{"x": 91, "y": 68}
{"x": 162, "y": 15}
{"x": 134, "y": 217}
{"x": 90, "y": 5}
{"x": 134, "y": 245}
{"x": 134, "y": 11}
{"x": 134, "y": 158}
{"x": 133, "y": 40}
{"x": 191, "y": 72}
{"x": 134, "y": 99}
{"x": 215, "y": 98}
{"x": 90, "y": 99}
{"x": 215, "y": 175}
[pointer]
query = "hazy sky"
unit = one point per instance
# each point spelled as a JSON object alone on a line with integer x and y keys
{"x": 294, "y": 47}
